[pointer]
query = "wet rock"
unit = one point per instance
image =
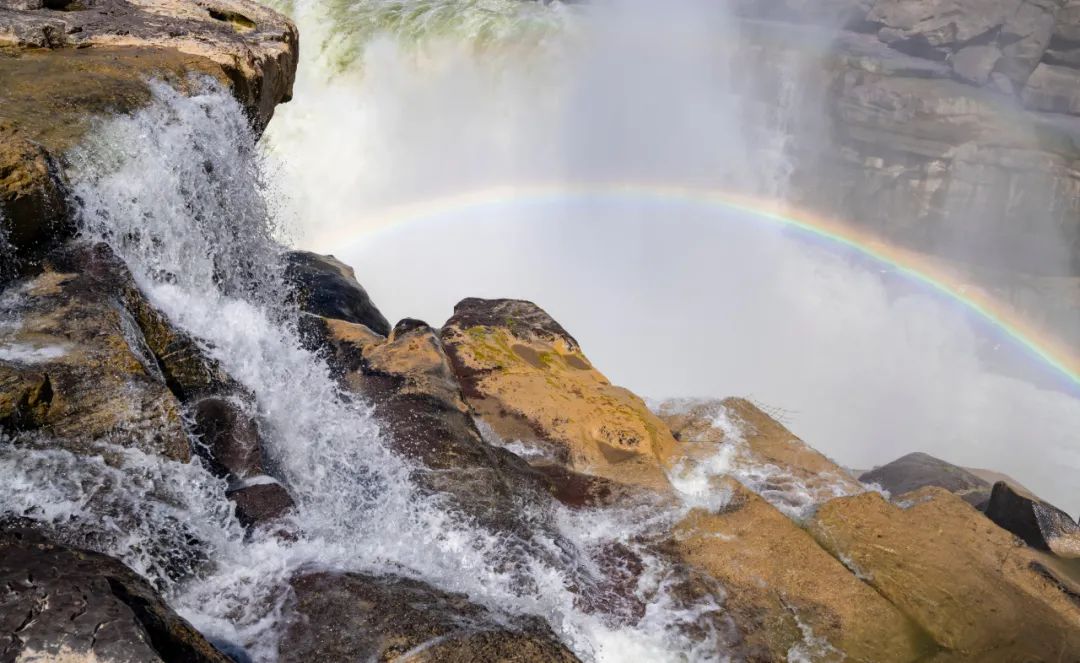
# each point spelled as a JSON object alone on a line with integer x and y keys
{"x": 961, "y": 578}
{"x": 260, "y": 503}
{"x": 351, "y": 617}
{"x": 778, "y": 580}
{"x": 229, "y": 436}
{"x": 918, "y": 470}
{"x": 61, "y": 603}
{"x": 75, "y": 365}
{"x": 328, "y": 288}
{"x": 61, "y": 71}
{"x": 760, "y": 451}
{"x": 928, "y": 27}
{"x": 1042, "y": 526}
{"x": 408, "y": 379}
{"x": 525, "y": 377}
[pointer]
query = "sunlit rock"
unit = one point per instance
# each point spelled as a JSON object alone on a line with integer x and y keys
{"x": 964, "y": 580}
{"x": 527, "y": 378}
{"x": 788, "y": 594}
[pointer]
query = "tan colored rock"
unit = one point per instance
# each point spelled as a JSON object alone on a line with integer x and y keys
{"x": 527, "y": 378}
{"x": 780, "y": 582}
{"x": 74, "y": 366}
{"x": 973, "y": 587}
{"x": 758, "y": 451}
{"x": 62, "y": 68}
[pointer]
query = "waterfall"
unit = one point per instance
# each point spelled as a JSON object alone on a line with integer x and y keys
{"x": 178, "y": 191}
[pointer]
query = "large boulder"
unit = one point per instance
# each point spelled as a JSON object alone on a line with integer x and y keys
{"x": 65, "y": 604}
{"x": 965, "y": 581}
{"x": 65, "y": 65}
{"x": 785, "y": 593}
{"x": 918, "y": 470}
{"x": 416, "y": 397}
{"x": 1042, "y": 526}
{"x": 75, "y": 366}
{"x": 324, "y": 286}
{"x": 756, "y": 450}
{"x": 527, "y": 379}
{"x": 341, "y": 617}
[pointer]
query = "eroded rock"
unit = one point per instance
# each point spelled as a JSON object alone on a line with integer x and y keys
{"x": 351, "y": 617}
{"x": 526, "y": 377}
{"x": 61, "y": 603}
{"x": 1041, "y": 525}
{"x": 328, "y": 288}
{"x": 964, "y": 580}
{"x": 778, "y": 580}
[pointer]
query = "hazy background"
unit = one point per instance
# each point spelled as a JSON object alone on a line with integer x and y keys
{"x": 668, "y": 300}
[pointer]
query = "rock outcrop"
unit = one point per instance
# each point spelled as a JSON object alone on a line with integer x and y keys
{"x": 63, "y": 65}
{"x": 757, "y": 450}
{"x": 918, "y": 470}
{"x": 527, "y": 379}
{"x": 356, "y": 617}
{"x": 65, "y": 604}
{"x": 965, "y": 581}
{"x": 1042, "y": 526}
{"x": 323, "y": 286}
{"x": 786, "y": 593}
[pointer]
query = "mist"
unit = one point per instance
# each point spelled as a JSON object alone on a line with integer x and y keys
{"x": 666, "y": 299}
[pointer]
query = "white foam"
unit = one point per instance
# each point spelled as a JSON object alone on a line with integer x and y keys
{"x": 28, "y": 353}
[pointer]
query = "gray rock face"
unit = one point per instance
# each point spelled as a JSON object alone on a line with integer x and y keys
{"x": 918, "y": 470}
{"x": 61, "y": 604}
{"x": 1053, "y": 88}
{"x": 356, "y": 617}
{"x": 325, "y": 287}
{"x": 974, "y": 64}
{"x": 1041, "y": 525}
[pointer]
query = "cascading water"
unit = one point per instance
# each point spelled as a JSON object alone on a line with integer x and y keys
{"x": 176, "y": 190}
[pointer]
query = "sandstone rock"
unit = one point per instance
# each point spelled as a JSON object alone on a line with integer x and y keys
{"x": 779, "y": 581}
{"x": 260, "y": 503}
{"x": 961, "y": 578}
{"x": 757, "y": 450}
{"x": 326, "y": 287}
{"x": 408, "y": 380}
{"x": 65, "y": 65}
{"x": 975, "y": 63}
{"x": 78, "y": 366}
{"x": 918, "y": 470}
{"x": 1041, "y": 525}
{"x": 1053, "y": 88}
{"x": 525, "y": 377}
{"x": 62, "y": 604}
{"x": 351, "y": 617}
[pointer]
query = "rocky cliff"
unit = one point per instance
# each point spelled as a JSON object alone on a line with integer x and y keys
{"x": 949, "y": 126}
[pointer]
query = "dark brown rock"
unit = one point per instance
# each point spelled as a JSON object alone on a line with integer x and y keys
{"x": 61, "y": 601}
{"x": 325, "y": 287}
{"x": 229, "y": 437}
{"x": 260, "y": 503}
{"x": 356, "y": 617}
{"x": 521, "y": 317}
{"x": 918, "y": 470}
{"x": 1042, "y": 526}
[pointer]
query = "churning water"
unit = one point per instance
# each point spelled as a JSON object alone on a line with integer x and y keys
{"x": 176, "y": 190}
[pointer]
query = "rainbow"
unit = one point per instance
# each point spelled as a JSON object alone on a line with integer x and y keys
{"x": 915, "y": 267}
